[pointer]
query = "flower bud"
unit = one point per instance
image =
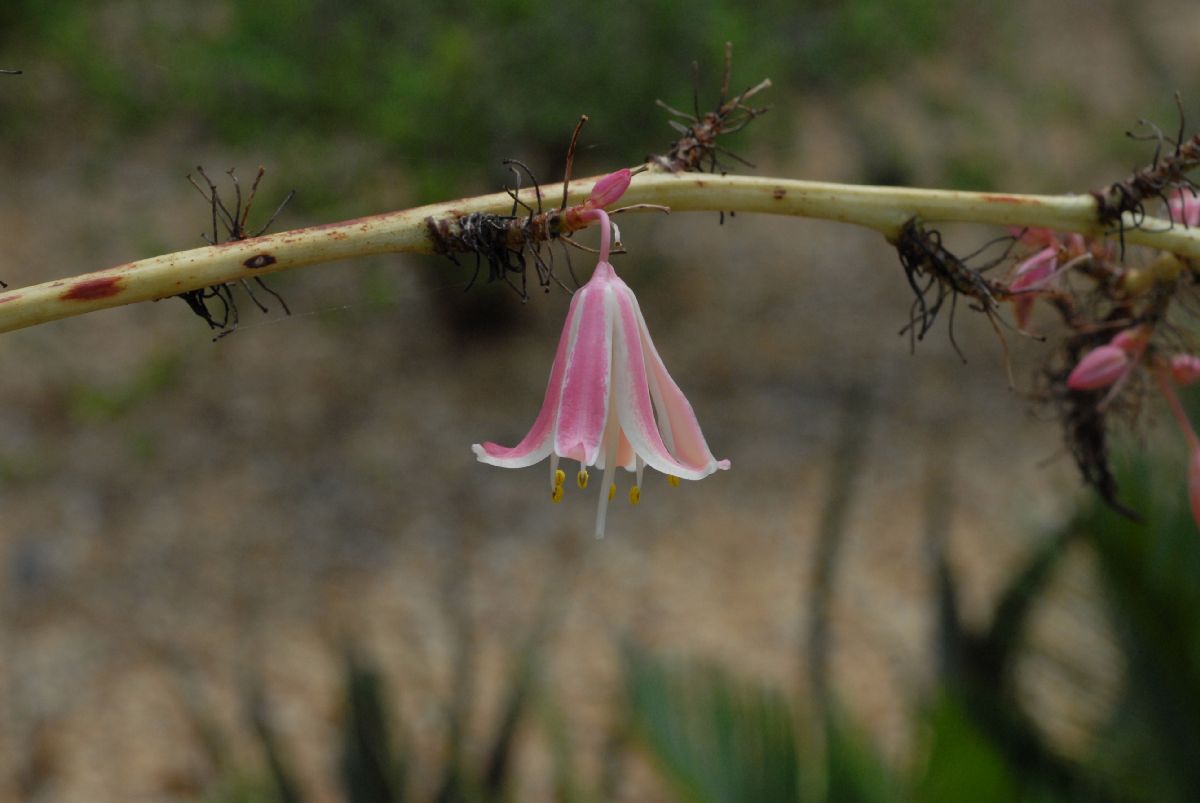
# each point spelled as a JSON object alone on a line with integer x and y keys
{"x": 609, "y": 189}
{"x": 1132, "y": 340}
{"x": 1185, "y": 368}
{"x": 1099, "y": 368}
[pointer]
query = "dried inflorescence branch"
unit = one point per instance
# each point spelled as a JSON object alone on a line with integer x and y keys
{"x": 1121, "y": 310}
{"x": 697, "y": 148}
{"x": 1120, "y": 331}
{"x": 1118, "y": 309}
{"x": 234, "y": 222}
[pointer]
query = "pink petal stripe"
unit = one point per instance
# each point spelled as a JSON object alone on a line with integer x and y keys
{"x": 583, "y": 407}
{"x": 536, "y": 445}
{"x": 632, "y": 396}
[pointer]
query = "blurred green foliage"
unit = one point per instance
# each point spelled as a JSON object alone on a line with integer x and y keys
{"x": 1150, "y": 576}
{"x": 714, "y": 736}
{"x": 717, "y": 740}
{"x": 447, "y": 87}
{"x": 91, "y": 403}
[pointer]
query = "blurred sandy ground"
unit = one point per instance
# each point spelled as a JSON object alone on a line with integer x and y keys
{"x": 181, "y": 515}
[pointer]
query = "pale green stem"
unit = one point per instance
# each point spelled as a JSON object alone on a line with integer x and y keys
{"x": 882, "y": 208}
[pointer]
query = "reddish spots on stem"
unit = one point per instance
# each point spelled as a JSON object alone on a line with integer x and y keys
{"x": 779, "y": 193}
{"x": 92, "y": 289}
{"x": 10, "y": 297}
{"x": 260, "y": 261}
{"x": 363, "y": 222}
{"x": 1007, "y": 199}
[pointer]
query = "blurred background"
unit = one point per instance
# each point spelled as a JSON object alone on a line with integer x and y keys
{"x": 268, "y": 568}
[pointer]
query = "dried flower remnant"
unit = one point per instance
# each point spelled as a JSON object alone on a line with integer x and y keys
{"x": 697, "y": 148}
{"x": 1165, "y": 176}
{"x": 234, "y": 223}
{"x": 610, "y": 402}
{"x": 930, "y": 267}
{"x": 510, "y": 243}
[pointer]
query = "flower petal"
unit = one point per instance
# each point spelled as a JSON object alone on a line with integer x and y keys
{"x": 633, "y": 380}
{"x": 536, "y": 445}
{"x": 583, "y": 407}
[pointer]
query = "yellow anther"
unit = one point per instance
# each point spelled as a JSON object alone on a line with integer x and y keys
{"x": 557, "y": 494}
{"x": 582, "y": 478}
{"x": 673, "y": 481}
{"x": 560, "y": 477}
{"x": 635, "y": 495}
{"x": 612, "y": 491}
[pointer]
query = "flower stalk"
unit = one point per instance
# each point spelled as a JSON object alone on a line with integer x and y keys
{"x": 884, "y": 209}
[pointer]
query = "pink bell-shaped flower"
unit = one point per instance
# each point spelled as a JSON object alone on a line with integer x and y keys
{"x": 610, "y": 402}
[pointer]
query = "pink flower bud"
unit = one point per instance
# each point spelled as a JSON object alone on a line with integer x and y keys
{"x": 1184, "y": 208}
{"x": 609, "y": 189}
{"x": 1185, "y": 368}
{"x": 1033, "y": 271}
{"x": 1132, "y": 340}
{"x": 1099, "y": 368}
{"x": 1031, "y": 275}
{"x": 1076, "y": 245}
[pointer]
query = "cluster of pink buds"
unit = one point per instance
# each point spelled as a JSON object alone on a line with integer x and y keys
{"x": 610, "y": 402}
{"x": 1111, "y": 365}
{"x": 1055, "y": 253}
